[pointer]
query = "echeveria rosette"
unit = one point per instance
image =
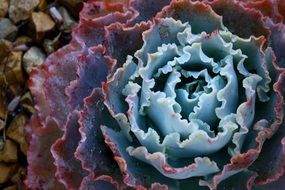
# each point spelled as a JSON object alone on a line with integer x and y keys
{"x": 163, "y": 95}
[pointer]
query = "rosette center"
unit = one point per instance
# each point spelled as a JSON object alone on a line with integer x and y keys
{"x": 187, "y": 94}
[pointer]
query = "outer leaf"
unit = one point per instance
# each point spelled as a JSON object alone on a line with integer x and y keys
{"x": 93, "y": 69}
{"x": 92, "y": 151}
{"x": 41, "y": 171}
{"x": 278, "y": 42}
{"x": 281, "y": 8}
{"x": 245, "y": 160}
{"x": 243, "y": 180}
{"x": 145, "y": 10}
{"x": 241, "y": 21}
{"x": 271, "y": 162}
{"x": 48, "y": 83}
{"x": 277, "y": 185}
{"x": 266, "y": 7}
{"x": 95, "y": 9}
{"x": 31, "y": 126}
{"x": 69, "y": 170}
{"x": 102, "y": 182}
{"x": 94, "y": 18}
{"x": 199, "y": 15}
{"x": 122, "y": 41}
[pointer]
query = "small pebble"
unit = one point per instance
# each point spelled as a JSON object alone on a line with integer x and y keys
{"x": 2, "y": 125}
{"x": 14, "y": 72}
{"x": 42, "y": 22}
{"x": 7, "y": 29}
{"x": 22, "y": 40}
{"x": 6, "y": 171}
{"x": 14, "y": 103}
{"x": 55, "y": 14}
{"x": 21, "y": 9}
{"x": 16, "y": 132}
{"x": 43, "y": 5}
{"x": 4, "y": 4}
{"x": 13, "y": 187}
{"x": 51, "y": 45}
{"x": 33, "y": 58}
{"x": 21, "y": 47}
{"x": 68, "y": 21}
{"x": 9, "y": 154}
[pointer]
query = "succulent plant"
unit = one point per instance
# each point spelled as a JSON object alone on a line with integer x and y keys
{"x": 161, "y": 94}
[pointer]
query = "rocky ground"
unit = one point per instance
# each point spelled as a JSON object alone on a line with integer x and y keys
{"x": 30, "y": 30}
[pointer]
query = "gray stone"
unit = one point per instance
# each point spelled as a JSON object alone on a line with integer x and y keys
{"x": 68, "y": 21}
{"x": 8, "y": 30}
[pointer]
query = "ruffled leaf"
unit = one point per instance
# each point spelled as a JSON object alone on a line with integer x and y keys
{"x": 41, "y": 170}
{"x": 271, "y": 162}
{"x": 174, "y": 100}
{"x": 273, "y": 185}
{"x": 93, "y": 69}
{"x": 278, "y": 43}
{"x": 245, "y": 160}
{"x": 241, "y": 21}
{"x": 199, "y": 15}
{"x": 49, "y": 81}
{"x": 102, "y": 182}
{"x": 95, "y": 9}
{"x": 201, "y": 167}
{"x": 145, "y": 10}
{"x": 69, "y": 170}
{"x": 91, "y": 151}
{"x": 136, "y": 174}
{"x": 94, "y": 17}
{"x": 281, "y": 8}
{"x": 122, "y": 41}
{"x": 273, "y": 9}
{"x": 243, "y": 180}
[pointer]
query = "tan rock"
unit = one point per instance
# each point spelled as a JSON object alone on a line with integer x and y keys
{"x": 21, "y": 9}
{"x": 1, "y": 143}
{"x": 22, "y": 40}
{"x": 4, "y": 4}
{"x": 43, "y": 5}
{"x": 13, "y": 187}
{"x": 9, "y": 152}
{"x": 6, "y": 171}
{"x": 14, "y": 73}
{"x": 2, "y": 124}
{"x": 42, "y": 22}
{"x": 16, "y": 131}
{"x": 3, "y": 110}
{"x": 5, "y": 47}
{"x": 19, "y": 175}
